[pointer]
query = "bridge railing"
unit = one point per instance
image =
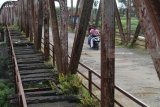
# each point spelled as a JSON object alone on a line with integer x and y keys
{"x": 91, "y": 83}
{"x": 19, "y": 87}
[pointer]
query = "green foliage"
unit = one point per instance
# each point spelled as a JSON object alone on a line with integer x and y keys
{"x": 53, "y": 85}
{"x": 69, "y": 84}
{"x": 5, "y": 90}
{"x": 13, "y": 26}
{"x": 134, "y": 23}
{"x": 72, "y": 84}
{"x": 3, "y": 61}
{"x": 87, "y": 100}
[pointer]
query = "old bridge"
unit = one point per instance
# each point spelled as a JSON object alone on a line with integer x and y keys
{"x": 33, "y": 16}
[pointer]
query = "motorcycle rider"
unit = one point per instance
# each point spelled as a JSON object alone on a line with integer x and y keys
{"x": 93, "y": 32}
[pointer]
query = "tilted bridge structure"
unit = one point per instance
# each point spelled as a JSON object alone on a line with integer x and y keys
{"x": 29, "y": 66}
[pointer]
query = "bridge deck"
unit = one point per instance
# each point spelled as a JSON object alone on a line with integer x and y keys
{"x": 36, "y": 74}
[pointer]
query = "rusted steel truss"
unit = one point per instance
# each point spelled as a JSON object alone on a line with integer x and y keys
{"x": 80, "y": 36}
{"x": 28, "y": 14}
{"x": 148, "y": 12}
{"x": 107, "y": 53}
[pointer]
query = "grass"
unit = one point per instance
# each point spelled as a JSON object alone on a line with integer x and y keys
{"x": 6, "y": 89}
{"x": 134, "y": 23}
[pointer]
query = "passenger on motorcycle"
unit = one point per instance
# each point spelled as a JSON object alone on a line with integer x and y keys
{"x": 92, "y": 33}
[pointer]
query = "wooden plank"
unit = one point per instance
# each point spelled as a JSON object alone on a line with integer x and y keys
{"x": 32, "y": 55}
{"x": 52, "y": 99}
{"x": 39, "y": 75}
{"x": 31, "y": 47}
{"x": 28, "y": 61}
{"x": 22, "y": 43}
{"x": 23, "y": 49}
{"x": 26, "y": 72}
{"x": 33, "y": 66}
{"x": 25, "y": 52}
{"x": 42, "y": 93}
{"x": 35, "y": 80}
{"x": 37, "y": 89}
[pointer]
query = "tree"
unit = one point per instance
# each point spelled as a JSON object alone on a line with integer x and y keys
{"x": 123, "y": 6}
{"x": 124, "y": 2}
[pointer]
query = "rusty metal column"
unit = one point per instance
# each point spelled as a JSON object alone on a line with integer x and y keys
{"x": 27, "y": 18}
{"x": 46, "y": 30}
{"x": 128, "y": 21}
{"x": 138, "y": 29}
{"x": 64, "y": 35}
{"x": 108, "y": 53}
{"x": 56, "y": 38}
{"x": 147, "y": 10}
{"x": 40, "y": 24}
{"x": 119, "y": 23}
{"x": 32, "y": 20}
{"x": 80, "y": 36}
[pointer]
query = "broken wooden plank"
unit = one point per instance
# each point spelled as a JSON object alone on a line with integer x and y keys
{"x": 42, "y": 93}
{"x": 29, "y": 56}
{"x": 34, "y": 66}
{"x": 39, "y": 75}
{"x": 30, "y": 60}
{"x": 43, "y": 99}
{"x": 26, "y": 72}
{"x": 35, "y": 80}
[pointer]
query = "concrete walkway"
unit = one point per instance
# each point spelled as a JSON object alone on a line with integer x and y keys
{"x": 135, "y": 73}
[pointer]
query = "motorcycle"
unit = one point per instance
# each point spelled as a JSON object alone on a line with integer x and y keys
{"x": 93, "y": 41}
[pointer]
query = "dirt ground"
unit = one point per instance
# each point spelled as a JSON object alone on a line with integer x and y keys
{"x": 134, "y": 72}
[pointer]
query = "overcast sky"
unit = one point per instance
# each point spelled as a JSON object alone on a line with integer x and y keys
{"x": 74, "y": 2}
{"x": 69, "y": 2}
{"x": 2, "y": 1}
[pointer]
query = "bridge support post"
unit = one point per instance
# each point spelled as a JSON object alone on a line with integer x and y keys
{"x": 56, "y": 38}
{"x": 40, "y": 24}
{"x": 119, "y": 23}
{"x": 80, "y": 36}
{"x": 46, "y": 30}
{"x": 64, "y": 34}
{"x": 108, "y": 53}
{"x": 128, "y": 19}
